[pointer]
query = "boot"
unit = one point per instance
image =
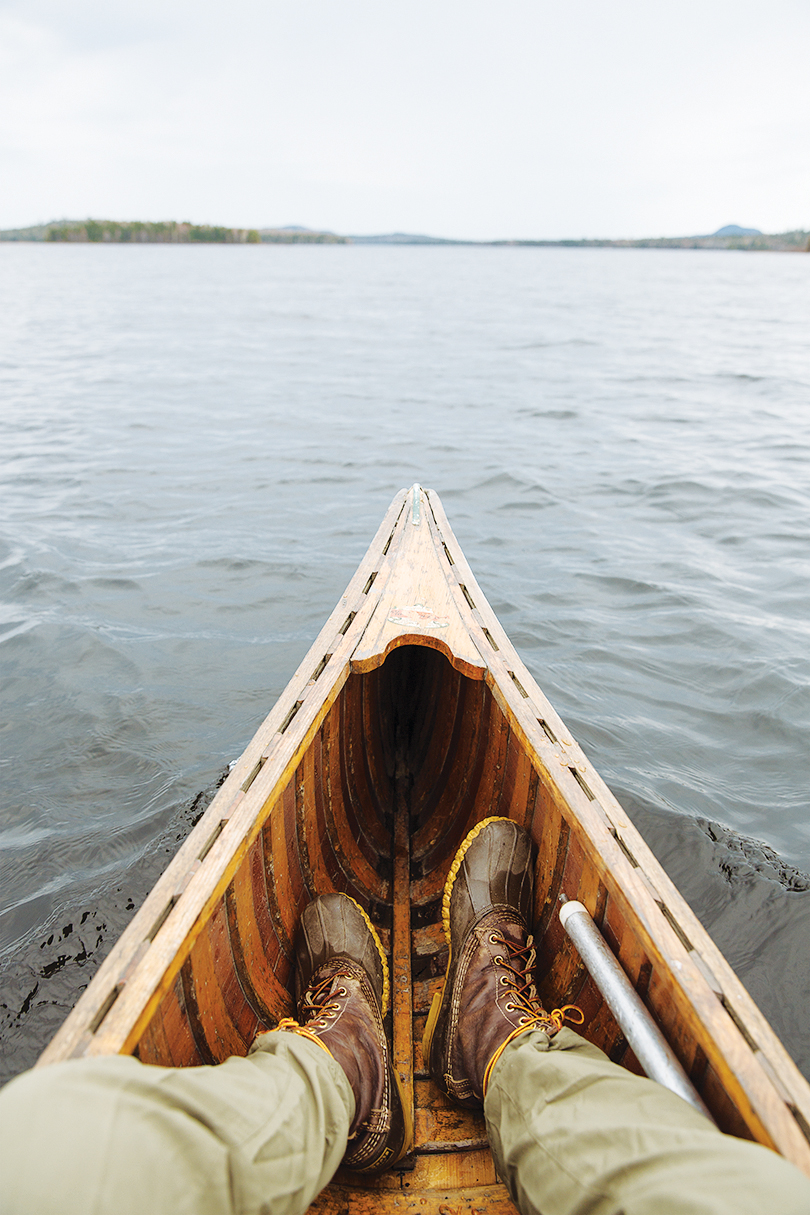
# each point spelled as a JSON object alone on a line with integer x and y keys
{"x": 342, "y": 989}
{"x": 489, "y": 997}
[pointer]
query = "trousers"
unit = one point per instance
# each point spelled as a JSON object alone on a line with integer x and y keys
{"x": 571, "y": 1134}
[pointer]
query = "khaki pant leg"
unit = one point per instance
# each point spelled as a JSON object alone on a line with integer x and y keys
{"x": 254, "y": 1136}
{"x": 573, "y": 1134}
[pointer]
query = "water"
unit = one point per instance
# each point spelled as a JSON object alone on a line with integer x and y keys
{"x": 196, "y": 446}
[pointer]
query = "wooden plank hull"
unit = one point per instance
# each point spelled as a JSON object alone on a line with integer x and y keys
{"x": 412, "y": 718}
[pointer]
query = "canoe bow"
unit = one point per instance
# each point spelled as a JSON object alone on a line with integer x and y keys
{"x": 412, "y": 717}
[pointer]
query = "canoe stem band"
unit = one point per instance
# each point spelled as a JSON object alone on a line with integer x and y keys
{"x": 416, "y": 491}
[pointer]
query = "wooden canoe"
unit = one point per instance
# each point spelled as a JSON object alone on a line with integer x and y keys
{"x": 410, "y": 719}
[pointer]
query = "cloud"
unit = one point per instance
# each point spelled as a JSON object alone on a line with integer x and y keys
{"x": 530, "y": 119}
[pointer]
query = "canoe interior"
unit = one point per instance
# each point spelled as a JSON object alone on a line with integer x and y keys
{"x": 413, "y": 743}
{"x": 411, "y": 718}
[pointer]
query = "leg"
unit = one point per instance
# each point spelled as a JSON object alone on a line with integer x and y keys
{"x": 261, "y": 1134}
{"x": 255, "y": 1136}
{"x": 573, "y": 1133}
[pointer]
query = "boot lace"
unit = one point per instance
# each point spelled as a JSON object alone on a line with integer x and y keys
{"x": 518, "y": 963}
{"x": 318, "y": 1008}
{"x": 320, "y": 1004}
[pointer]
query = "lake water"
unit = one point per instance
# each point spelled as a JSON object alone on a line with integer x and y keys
{"x": 196, "y": 446}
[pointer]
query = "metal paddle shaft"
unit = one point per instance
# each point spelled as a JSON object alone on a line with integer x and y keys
{"x": 643, "y": 1036}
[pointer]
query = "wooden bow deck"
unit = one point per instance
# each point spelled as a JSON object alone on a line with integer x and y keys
{"x": 412, "y": 718}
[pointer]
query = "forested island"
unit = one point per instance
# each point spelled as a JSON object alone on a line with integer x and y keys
{"x": 169, "y": 232}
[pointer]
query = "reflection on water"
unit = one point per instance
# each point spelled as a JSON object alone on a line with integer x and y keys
{"x": 198, "y": 444}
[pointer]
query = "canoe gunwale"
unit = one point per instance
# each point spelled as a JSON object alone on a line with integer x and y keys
{"x": 150, "y": 952}
{"x": 712, "y": 1004}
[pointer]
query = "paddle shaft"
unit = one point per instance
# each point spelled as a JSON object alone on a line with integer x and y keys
{"x": 642, "y": 1034}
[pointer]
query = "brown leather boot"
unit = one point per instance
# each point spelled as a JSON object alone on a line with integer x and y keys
{"x": 489, "y": 995}
{"x": 342, "y": 988}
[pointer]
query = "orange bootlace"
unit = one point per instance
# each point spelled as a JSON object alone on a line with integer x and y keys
{"x": 323, "y": 1007}
{"x": 520, "y": 983}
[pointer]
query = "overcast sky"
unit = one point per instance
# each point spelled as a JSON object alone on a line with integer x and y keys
{"x": 468, "y": 119}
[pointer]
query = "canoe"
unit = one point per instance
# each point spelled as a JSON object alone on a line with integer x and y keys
{"x": 412, "y": 718}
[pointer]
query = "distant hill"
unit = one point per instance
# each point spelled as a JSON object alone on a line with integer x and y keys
{"x": 407, "y": 238}
{"x": 736, "y": 230}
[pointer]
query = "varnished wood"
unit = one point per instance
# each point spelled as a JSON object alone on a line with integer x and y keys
{"x": 418, "y": 582}
{"x": 433, "y": 1192}
{"x": 401, "y": 980}
{"x": 400, "y": 730}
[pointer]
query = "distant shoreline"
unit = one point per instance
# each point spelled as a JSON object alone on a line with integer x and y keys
{"x": 168, "y": 232}
{"x": 106, "y": 231}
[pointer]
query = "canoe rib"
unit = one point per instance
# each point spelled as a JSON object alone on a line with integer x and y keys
{"x": 413, "y": 702}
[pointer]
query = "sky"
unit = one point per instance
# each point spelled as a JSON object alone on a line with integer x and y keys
{"x": 523, "y": 119}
